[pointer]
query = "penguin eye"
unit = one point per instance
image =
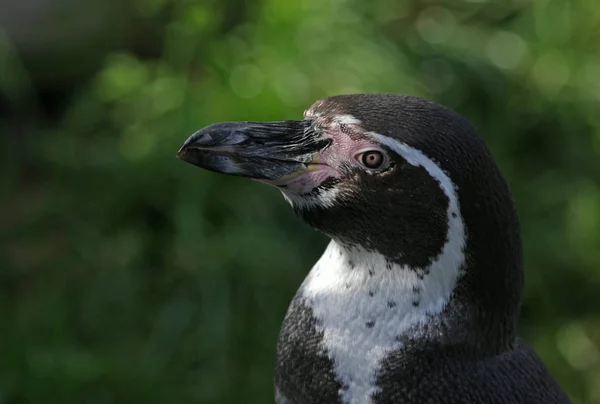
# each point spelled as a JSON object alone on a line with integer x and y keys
{"x": 372, "y": 159}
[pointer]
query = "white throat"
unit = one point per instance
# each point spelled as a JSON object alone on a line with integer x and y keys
{"x": 364, "y": 303}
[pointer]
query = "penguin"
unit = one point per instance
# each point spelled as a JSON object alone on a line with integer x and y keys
{"x": 416, "y": 297}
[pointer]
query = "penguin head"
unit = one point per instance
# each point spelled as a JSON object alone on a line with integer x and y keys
{"x": 391, "y": 174}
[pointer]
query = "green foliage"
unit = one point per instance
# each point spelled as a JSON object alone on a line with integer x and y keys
{"x": 129, "y": 276}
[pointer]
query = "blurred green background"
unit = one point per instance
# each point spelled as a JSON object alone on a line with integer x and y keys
{"x": 129, "y": 276}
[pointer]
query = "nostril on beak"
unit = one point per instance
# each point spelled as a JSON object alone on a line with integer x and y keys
{"x": 204, "y": 139}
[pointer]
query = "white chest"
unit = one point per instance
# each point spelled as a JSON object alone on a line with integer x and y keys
{"x": 363, "y": 305}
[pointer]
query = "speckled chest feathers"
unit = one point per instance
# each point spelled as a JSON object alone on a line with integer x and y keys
{"x": 416, "y": 298}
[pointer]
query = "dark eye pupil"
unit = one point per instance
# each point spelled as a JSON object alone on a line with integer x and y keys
{"x": 372, "y": 159}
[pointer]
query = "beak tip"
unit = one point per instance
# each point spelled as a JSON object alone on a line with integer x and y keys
{"x": 181, "y": 152}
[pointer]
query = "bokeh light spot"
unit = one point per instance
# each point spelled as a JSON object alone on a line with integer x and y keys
{"x": 247, "y": 81}
{"x": 167, "y": 94}
{"x": 577, "y": 348}
{"x": 291, "y": 85}
{"x": 123, "y": 75}
{"x": 134, "y": 145}
{"x": 551, "y": 72}
{"x": 589, "y": 79}
{"x": 436, "y": 24}
{"x": 506, "y": 50}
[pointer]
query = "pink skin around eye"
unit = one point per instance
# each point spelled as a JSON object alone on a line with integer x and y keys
{"x": 342, "y": 150}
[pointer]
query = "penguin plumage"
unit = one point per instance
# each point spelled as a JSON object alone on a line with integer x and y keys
{"x": 416, "y": 298}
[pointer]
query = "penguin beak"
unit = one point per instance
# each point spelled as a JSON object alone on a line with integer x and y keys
{"x": 273, "y": 152}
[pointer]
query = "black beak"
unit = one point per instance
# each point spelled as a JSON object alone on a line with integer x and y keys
{"x": 268, "y": 151}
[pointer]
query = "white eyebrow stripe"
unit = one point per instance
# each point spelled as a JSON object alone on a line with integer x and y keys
{"x": 347, "y": 119}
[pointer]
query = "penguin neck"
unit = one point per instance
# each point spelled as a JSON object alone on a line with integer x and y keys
{"x": 367, "y": 306}
{"x": 349, "y": 284}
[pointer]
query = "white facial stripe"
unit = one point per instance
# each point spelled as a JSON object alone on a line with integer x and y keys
{"x": 361, "y": 315}
{"x": 347, "y": 120}
{"x": 325, "y": 198}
